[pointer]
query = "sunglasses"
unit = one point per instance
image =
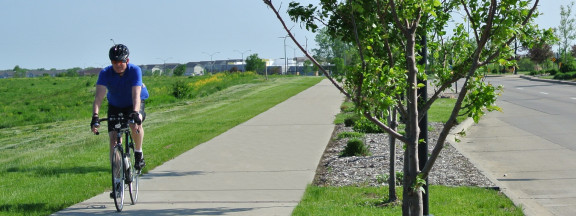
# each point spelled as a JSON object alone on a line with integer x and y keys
{"x": 118, "y": 62}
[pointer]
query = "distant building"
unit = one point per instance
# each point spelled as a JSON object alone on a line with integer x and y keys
{"x": 6, "y": 74}
{"x": 194, "y": 69}
{"x": 90, "y": 72}
{"x": 277, "y": 66}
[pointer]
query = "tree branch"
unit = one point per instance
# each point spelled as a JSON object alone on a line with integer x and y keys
{"x": 338, "y": 86}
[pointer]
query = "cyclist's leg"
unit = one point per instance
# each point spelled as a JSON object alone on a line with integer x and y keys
{"x": 139, "y": 138}
{"x": 112, "y": 111}
{"x": 112, "y": 136}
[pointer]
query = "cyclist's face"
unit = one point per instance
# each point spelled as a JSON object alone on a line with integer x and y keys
{"x": 120, "y": 66}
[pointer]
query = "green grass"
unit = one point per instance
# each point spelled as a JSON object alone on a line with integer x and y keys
{"x": 31, "y": 101}
{"x": 349, "y": 134}
{"x": 441, "y": 109}
{"x": 367, "y": 201}
{"x": 49, "y": 166}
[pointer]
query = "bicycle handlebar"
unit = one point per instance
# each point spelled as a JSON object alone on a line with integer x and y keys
{"x": 119, "y": 118}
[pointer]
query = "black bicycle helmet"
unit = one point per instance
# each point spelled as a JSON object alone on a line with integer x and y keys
{"x": 118, "y": 52}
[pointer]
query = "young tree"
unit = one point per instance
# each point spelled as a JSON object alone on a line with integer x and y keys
{"x": 388, "y": 35}
{"x": 566, "y": 29}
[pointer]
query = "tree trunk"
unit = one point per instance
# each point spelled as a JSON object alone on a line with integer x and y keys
{"x": 412, "y": 202}
{"x": 412, "y": 197}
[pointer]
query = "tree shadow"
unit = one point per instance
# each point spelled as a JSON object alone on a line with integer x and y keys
{"x": 27, "y": 209}
{"x": 56, "y": 171}
{"x": 171, "y": 174}
{"x": 171, "y": 211}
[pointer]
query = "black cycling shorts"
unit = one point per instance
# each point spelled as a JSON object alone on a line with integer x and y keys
{"x": 114, "y": 111}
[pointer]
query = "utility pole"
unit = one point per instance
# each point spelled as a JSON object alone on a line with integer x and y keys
{"x": 243, "y": 62}
{"x": 211, "y": 62}
{"x": 164, "y": 65}
{"x": 285, "y": 59}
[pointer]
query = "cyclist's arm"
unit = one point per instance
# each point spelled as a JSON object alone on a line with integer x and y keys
{"x": 100, "y": 94}
{"x": 136, "y": 90}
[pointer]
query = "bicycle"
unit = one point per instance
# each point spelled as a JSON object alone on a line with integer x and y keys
{"x": 122, "y": 162}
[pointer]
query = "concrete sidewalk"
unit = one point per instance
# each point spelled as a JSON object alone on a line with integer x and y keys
{"x": 261, "y": 167}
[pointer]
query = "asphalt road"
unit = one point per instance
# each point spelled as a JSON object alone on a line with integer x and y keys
{"x": 554, "y": 103}
{"x": 529, "y": 149}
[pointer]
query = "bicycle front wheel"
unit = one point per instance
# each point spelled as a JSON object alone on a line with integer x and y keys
{"x": 117, "y": 178}
{"x": 134, "y": 179}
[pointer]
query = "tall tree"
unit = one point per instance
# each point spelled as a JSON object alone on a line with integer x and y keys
{"x": 334, "y": 51}
{"x": 540, "y": 52}
{"x": 566, "y": 29}
{"x": 386, "y": 34}
{"x": 254, "y": 63}
{"x": 180, "y": 70}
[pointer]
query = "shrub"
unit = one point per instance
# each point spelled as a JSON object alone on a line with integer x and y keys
{"x": 350, "y": 120}
{"x": 366, "y": 126}
{"x": 565, "y": 76}
{"x": 347, "y": 107}
{"x": 533, "y": 73}
{"x": 567, "y": 67}
{"x": 552, "y": 72}
{"x": 180, "y": 89}
{"x": 355, "y": 147}
{"x": 385, "y": 178}
{"x": 348, "y": 134}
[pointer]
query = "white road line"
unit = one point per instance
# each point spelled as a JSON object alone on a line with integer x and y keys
{"x": 520, "y": 88}
{"x": 573, "y": 98}
{"x": 544, "y": 93}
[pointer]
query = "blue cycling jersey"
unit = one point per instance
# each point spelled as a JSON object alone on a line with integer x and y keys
{"x": 120, "y": 87}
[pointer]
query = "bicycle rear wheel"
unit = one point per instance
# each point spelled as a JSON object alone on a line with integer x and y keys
{"x": 134, "y": 176}
{"x": 118, "y": 178}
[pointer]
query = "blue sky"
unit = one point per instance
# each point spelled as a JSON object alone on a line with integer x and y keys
{"x": 70, "y": 33}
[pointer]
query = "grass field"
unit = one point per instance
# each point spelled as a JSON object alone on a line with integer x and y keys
{"x": 368, "y": 201}
{"x": 46, "y": 167}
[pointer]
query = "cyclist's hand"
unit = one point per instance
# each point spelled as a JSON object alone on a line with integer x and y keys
{"x": 136, "y": 117}
{"x": 95, "y": 123}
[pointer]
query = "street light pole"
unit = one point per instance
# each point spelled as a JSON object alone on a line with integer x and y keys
{"x": 285, "y": 59}
{"x": 211, "y": 62}
{"x": 164, "y": 65}
{"x": 243, "y": 62}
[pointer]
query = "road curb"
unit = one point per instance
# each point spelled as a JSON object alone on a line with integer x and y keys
{"x": 532, "y": 78}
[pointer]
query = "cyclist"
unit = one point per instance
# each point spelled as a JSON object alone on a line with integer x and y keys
{"x": 126, "y": 95}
